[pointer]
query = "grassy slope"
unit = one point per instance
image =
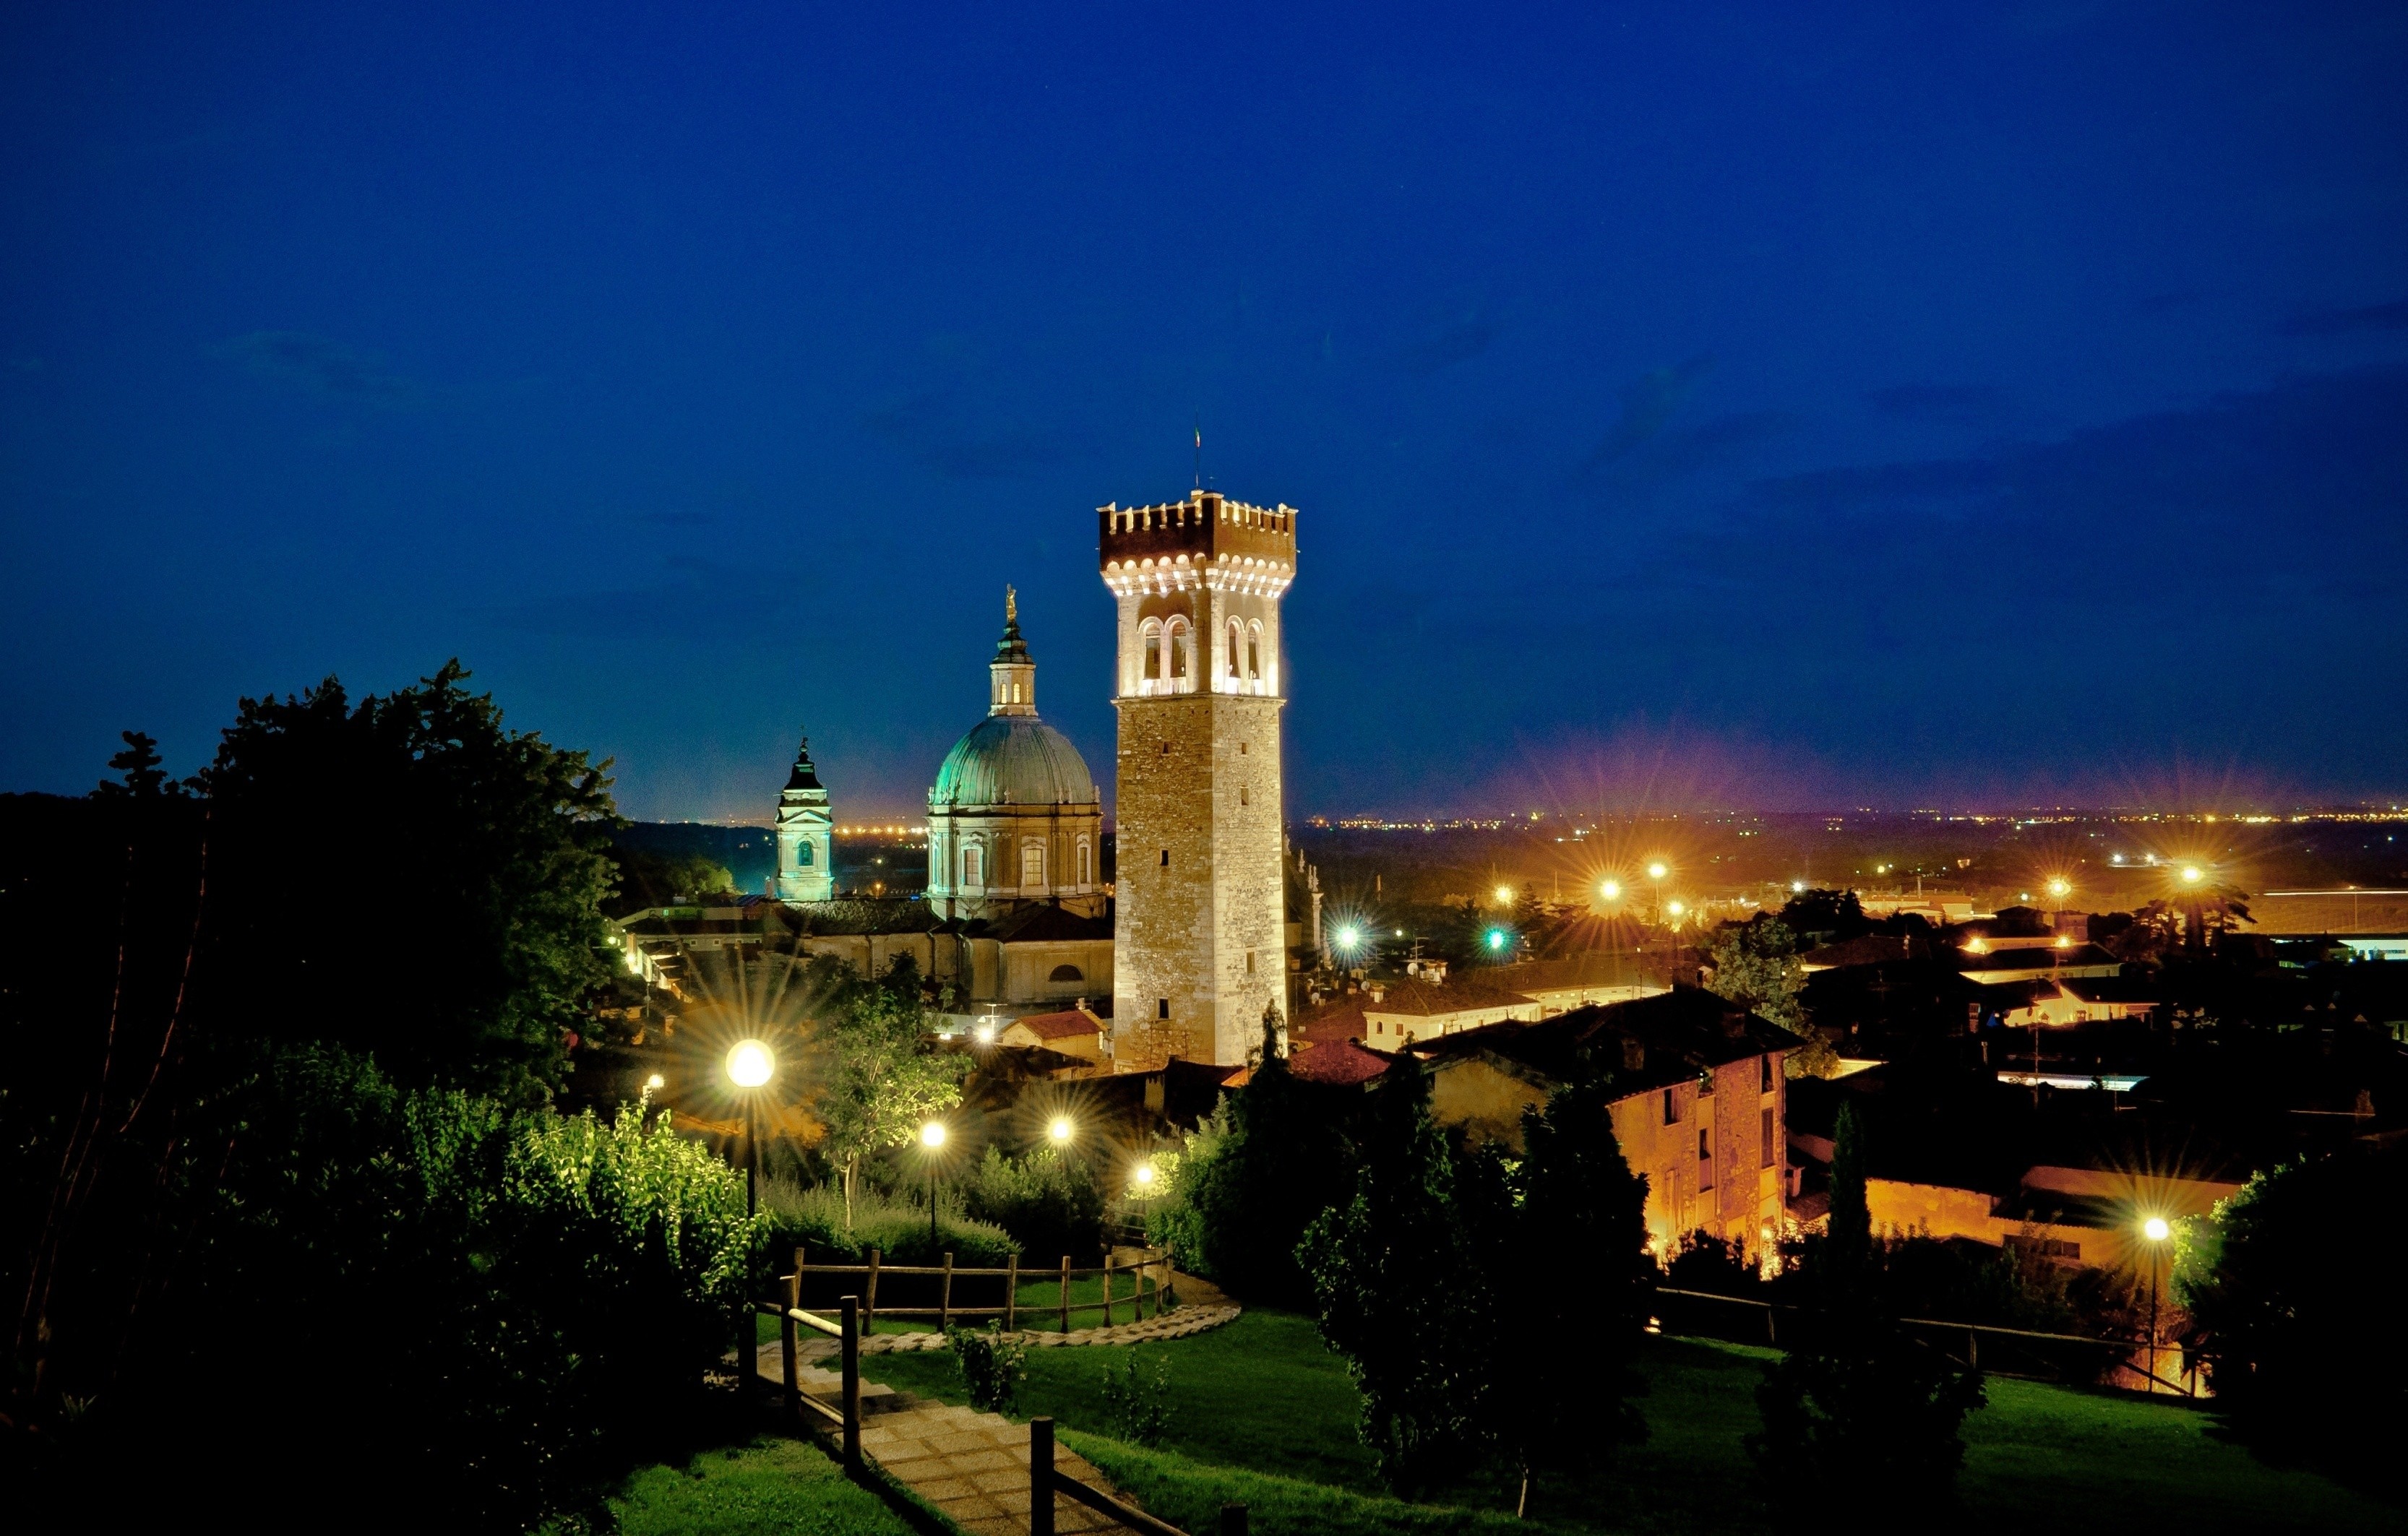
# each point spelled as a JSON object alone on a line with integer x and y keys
{"x": 1262, "y": 1396}
{"x": 771, "y": 1487}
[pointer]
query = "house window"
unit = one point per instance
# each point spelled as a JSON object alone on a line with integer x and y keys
{"x": 1705, "y": 1159}
{"x": 1166, "y": 858}
{"x": 1242, "y": 798}
{"x": 1067, "y": 973}
{"x": 1672, "y": 1108}
{"x": 1161, "y": 1007}
{"x": 1250, "y": 962}
{"x": 1764, "y": 1064}
{"x": 1767, "y": 1148}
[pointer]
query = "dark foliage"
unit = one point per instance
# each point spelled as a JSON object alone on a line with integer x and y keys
{"x": 2297, "y": 1287}
{"x": 1049, "y": 1202}
{"x": 1401, "y": 1288}
{"x": 992, "y": 1366}
{"x": 1857, "y": 1406}
{"x": 1716, "y": 1265}
{"x": 1281, "y": 1164}
{"x": 1822, "y": 916}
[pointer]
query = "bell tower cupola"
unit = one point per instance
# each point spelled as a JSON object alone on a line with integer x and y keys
{"x": 1011, "y": 687}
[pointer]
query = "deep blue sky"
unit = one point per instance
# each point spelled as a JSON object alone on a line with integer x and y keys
{"x": 1775, "y": 405}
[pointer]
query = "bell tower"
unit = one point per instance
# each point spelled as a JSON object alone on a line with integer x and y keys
{"x": 806, "y": 844}
{"x": 1200, "y": 945}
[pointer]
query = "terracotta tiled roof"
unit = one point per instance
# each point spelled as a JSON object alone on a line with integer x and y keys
{"x": 1339, "y": 1061}
{"x": 1061, "y": 1026}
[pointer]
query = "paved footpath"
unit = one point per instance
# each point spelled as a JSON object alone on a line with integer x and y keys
{"x": 974, "y": 1466}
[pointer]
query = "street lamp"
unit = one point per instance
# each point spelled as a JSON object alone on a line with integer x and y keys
{"x": 1504, "y": 895}
{"x": 2059, "y": 888}
{"x": 932, "y": 1141}
{"x": 1610, "y": 891}
{"x": 2157, "y": 1231}
{"x": 1059, "y": 1130}
{"x": 750, "y": 1066}
{"x": 2192, "y": 874}
{"x": 1143, "y": 1177}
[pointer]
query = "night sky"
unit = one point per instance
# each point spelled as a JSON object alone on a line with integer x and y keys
{"x": 1792, "y": 407}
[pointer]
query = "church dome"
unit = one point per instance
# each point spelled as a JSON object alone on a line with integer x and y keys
{"x": 1014, "y": 760}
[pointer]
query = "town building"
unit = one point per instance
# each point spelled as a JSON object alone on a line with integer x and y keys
{"x": 1200, "y": 952}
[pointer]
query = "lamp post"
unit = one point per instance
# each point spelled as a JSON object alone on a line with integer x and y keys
{"x": 2157, "y": 1231}
{"x": 1059, "y": 1130}
{"x": 932, "y": 1140}
{"x": 750, "y": 1066}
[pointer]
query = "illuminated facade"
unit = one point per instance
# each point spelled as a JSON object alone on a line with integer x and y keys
{"x": 1200, "y": 934}
{"x": 806, "y": 835}
{"x": 1015, "y": 817}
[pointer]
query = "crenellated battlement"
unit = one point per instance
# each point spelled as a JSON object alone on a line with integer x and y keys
{"x": 1206, "y": 530}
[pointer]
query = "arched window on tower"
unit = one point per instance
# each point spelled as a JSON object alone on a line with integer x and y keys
{"x": 1255, "y": 649}
{"x": 1176, "y": 636}
{"x": 1151, "y": 631}
{"x": 1237, "y": 647}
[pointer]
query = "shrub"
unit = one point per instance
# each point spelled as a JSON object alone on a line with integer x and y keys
{"x": 1049, "y": 1202}
{"x": 1713, "y": 1264}
{"x": 812, "y": 1217}
{"x": 992, "y": 1365}
{"x": 1137, "y": 1403}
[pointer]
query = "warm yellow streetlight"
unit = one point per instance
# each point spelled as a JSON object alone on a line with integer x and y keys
{"x": 1504, "y": 895}
{"x": 1675, "y": 908}
{"x": 750, "y": 1064}
{"x": 2059, "y": 889}
{"x": 1059, "y": 1130}
{"x": 2156, "y": 1229}
{"x": 1610, "y": 891}
{"x": 1798, "y": 887}
{"x": 1657, "y": 870}
{"x": 932, "y": 1135}
{"x": 1144, "y": 1175}
{"x": 656, "y": 1082}
{"x": 2192, "y": 874}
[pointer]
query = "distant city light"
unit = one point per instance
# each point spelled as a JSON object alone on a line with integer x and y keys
{"x": 2059, "y": 888}
{"x": 1495, "y": 938}
{"x": 1504, "y": 895}
{"x": 1349, "y": 937}
{"x": 750, "y": 1064}
{"x": 1798, "y": 887}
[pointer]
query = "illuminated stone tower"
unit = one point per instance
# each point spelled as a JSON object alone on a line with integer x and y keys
{"x": 1199, "y": 943}
{"x": 806, "y": 846}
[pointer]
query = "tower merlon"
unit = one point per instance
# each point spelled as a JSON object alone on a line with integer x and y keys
{"x": 1205, "y": 541}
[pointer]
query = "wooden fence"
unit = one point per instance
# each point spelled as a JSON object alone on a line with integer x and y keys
{"x": 2012, "y": 1351}
{"x": 1045, "y": 1480}
{"x": 1149, "y": 1276}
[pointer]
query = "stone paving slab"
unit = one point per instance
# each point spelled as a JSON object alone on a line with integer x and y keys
{"x": 974, "y": 1468}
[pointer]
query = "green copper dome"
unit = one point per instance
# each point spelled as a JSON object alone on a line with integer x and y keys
{"x": 1014, "y": 760}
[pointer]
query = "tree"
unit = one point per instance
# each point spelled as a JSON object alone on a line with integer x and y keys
{"x": 1860, "y": 1408}
{"x": 1756, "y": 966}
{"x": 140, "y": 776}
{"x": 1571, "y": 1208}
{"x": 2293, "y": 1286}
{"x": 467, "y": 945}
{"x": 1280, "y": 1165}
{"x": 881, "y": 1078}
{"x": 1401, "y": 1293}
{"x": 1825, "y": 917}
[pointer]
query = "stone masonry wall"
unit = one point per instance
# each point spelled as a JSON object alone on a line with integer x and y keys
{"x": 1199, "y": 785}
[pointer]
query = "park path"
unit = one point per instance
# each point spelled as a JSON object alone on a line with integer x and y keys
{"x": 973, "y": 1466}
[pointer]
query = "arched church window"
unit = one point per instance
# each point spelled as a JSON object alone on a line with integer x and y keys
{"x": 972, "y": 866}
{"x": 1237, "y": 645}
{"x": 803, "y": 853}
{"x": 1067, "y": 973}
{"x": 1174, "y": 634}
{"x": 1153, "y": 633}
{"x": 1255, "y": 650}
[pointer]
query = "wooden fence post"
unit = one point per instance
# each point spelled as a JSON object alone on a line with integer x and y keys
{"x": 799, "y": 1268}
{"x": 1108, "y": 1288}
{"x": 869, "y": 1295}
{"x": 1040, "y": 1474}
{"x": 1012, "y": 1295}
{"x": 787, "y": 1339}
{"x": 1233, "y": 1520}
{"x": 1065, "y": 1296}
{"x": 945, "y": 1297}
{"x": 1170, "y": 1269}
{"x": 1769, "y": 1336}
{"x": 852, "y": 1389}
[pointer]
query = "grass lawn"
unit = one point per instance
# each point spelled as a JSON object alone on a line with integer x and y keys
{"x": 771, "y": 1487}
{"x": 1261, "y": 1405}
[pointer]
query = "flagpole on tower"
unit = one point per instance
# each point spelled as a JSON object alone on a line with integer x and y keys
{"x": 1199, "y": 450}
